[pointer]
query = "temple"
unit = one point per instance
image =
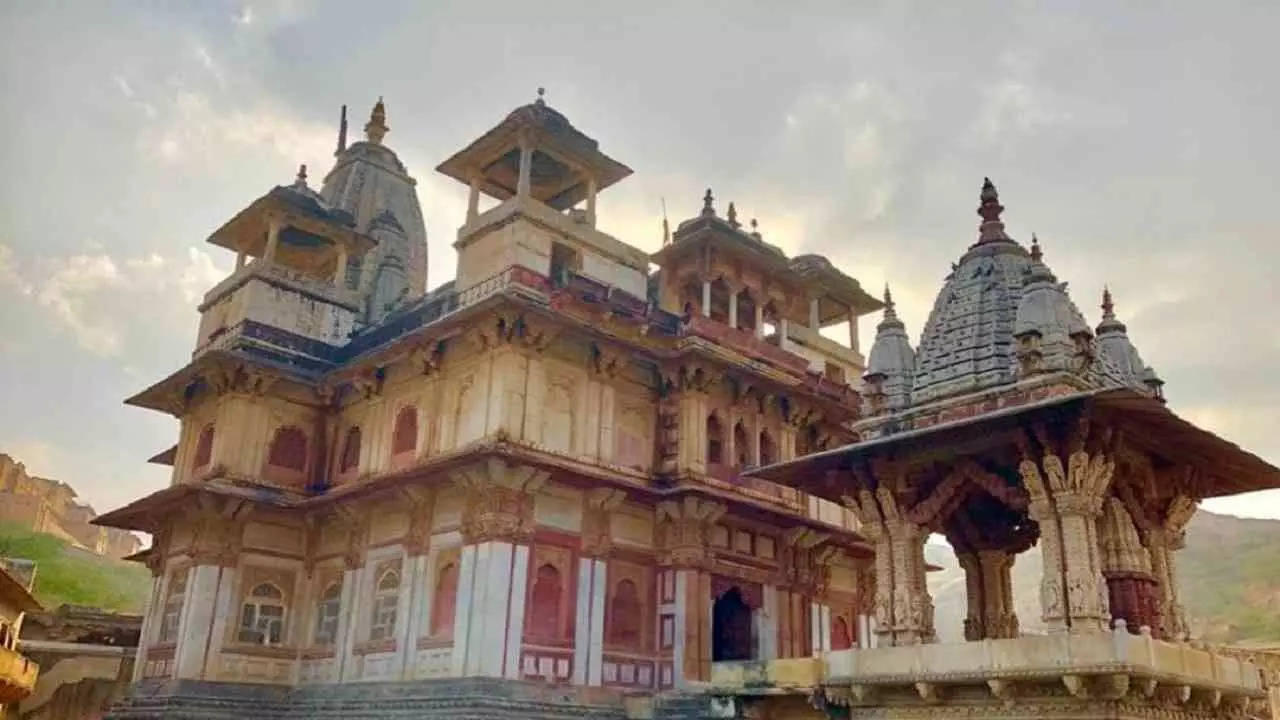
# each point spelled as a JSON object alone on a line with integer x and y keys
{"x": 585, "y": 480}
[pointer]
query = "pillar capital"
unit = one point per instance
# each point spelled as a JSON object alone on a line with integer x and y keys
{"x": 683, "y": 526}
{"x": 498, "y": 500}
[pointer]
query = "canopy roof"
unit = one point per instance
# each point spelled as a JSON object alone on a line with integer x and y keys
{"x": 1222, "y": 467}
{"x": 563, "y": 158}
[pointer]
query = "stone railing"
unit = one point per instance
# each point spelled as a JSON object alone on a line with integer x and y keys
{"x": 745, "y": 343}
{"x": 283, "y": 277}
{"x": 17, "y": 676}
{"x": 1103, "y": 664}
{"x": 824, "y": 345}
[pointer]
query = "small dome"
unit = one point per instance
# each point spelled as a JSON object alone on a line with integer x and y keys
{"x": 891, "y": 363}
{"x": 1045, "y": 311}
{"x": 1116, "y": 348}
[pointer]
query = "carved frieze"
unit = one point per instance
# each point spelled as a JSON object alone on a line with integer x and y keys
{"x": 498, "y": 500}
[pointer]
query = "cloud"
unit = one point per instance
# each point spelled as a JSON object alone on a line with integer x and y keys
{"x": 105, "y": 302}
{"x": 194, "y": 132}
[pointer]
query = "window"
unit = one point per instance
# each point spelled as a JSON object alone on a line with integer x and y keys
{"x": 741, "y": 448}
{"x": 204, "y": 447}
{"x": 544, "y": 613}
{"x": 173, "y": 606}
{"x": 327, "y": 615}
{"x": 289, "y": 449}
{"x": 624, "y": 615}
{"x": 350, "y": 459}
{"x": 715, "y": 440}
{"x": 404, "y": 437}
{"x": 386, "y": 598}
{"x": 444, "y": 605}
{"x": 262, "y": 616}
{"x": 768, "y": 449}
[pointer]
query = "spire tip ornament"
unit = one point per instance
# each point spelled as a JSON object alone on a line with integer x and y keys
{"x": 707, "y": 200}
{"x": 733, "y": 216}
{"x": 541, "y": 92}
{"x": 989, "y": 210}
{"x": 376, "y": 128}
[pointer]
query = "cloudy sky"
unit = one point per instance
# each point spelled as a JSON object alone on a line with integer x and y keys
{"x": 1139, "y": 145}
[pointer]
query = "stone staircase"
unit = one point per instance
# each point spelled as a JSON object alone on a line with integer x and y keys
{"x": 455, "y": 699}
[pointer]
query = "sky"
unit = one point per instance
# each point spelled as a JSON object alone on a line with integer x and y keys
{"x": 1137, "y": 142}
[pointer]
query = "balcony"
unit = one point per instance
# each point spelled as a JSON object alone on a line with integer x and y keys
{"x": 814, "y": 343}
{"x": 745, "y": 343}
{"x": 283, "y": 277}
{"x": 17, "y": 676}
{"x": 1089, "y": 666}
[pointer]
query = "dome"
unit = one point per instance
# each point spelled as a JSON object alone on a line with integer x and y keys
{"x": 369, "y": 181}
{"x": 891, "y": 362}
{"x": 968, "y": 343}
{"x": 1115, "y": 346}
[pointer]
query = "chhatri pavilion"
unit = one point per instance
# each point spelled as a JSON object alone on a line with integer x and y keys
{"x": 585, "y": 480}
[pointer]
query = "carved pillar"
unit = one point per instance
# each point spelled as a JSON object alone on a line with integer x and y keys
{"x": 1132, "y": 590}
{"x": 1162, "y": 542}
{"x": 473, "y": 198}
{"x": 215, "y": 552}
{"x": 975, "y": 619}
{"x": 683, "y": 526}
{"x": 597, "y": 544}
{"x": 999, "y": 615}
{"x": 526, "y": 163}
{"x": 904, "y": 610}
{"x": 497, "y": 526}
{"x": 1066, "y": 501}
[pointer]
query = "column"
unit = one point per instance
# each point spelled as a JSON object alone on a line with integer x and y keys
{"x": 588, "y": 630}
{"x": 1163, "y": 541}
{"x": 682, "y": 530}
{"x": 706, "y": 298}
{"x": 150, "y": 617}
{"x": 733, "y": 307}
{"x": 497, "y": 525}
{"x": 473, "y": 199}
{"x": 355, "y": 606}
{"x": 526, "y": 162}
{"x": 814, "y": 321}
{"x": 974, "y": 621}
{"x": 904, "y": 610}
{"x": 1066, "y": 501}
{"x": 197, "y": 621}
{"x": 766, "y": 620}
{"x": 591, "y": 200}
{"x": 340, "y": 272}
{"x": 760, "y": 317}
{"x": 853, "y": 330}
{"x": 273, "y": 239}
{"x": 240, "y": 258}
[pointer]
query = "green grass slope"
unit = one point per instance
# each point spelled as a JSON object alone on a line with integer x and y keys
{"x": 70, "y": 575}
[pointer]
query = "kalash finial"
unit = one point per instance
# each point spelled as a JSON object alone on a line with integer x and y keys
{"x": 889, "y": 310}
{"x": 707, "y": 200}
{"x": 541, "y": 92}
{"x": 1036, "y": 253}
{"x": 733, "y": 216}
{"x": 376, "y": 128}
{"x": 301, "y": 179}
{"x": 755, "y": 229}
{"x": 1108, "y": 308}
{"x": 990, "y": 209}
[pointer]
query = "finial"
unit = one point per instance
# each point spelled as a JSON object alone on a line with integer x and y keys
{"x": 666, "y": 227}
{"x": 707, "y": 208}
{"x": 1036, "y": 252}
{"x": 755, "y": 230}
{"x": 990, "y": 209}
{"x": 342, "y": 132}
{"x": 301, "y": 179}
{"x": 733, "y": 215}
{"x": 1108, "y": 308}
{"x": 376, "y": 128}
{"x": 541, "y": 92}
{"x": 888, "y": 302}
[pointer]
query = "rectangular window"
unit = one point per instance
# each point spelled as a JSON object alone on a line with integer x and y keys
{"x": 384, "y": 617}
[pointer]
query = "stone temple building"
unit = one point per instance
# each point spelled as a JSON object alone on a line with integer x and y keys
{"x": 536, "y": 472}
{"x": 583, "y": 480}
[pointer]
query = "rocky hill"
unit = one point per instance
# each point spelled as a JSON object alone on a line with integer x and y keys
{"x": 68, "y": 574}
{"x": 1229, "y": 575}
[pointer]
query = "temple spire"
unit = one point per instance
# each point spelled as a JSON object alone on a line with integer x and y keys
{"x": 1108, "y": 307}
{"x": 707, "y": 207}
{"x": 991, "y": 229}
{"x": 733, "y": 215}
{"x": 890, "y": 311}
{"x": 342, "y": 132}
{"x": 376, "y": 128}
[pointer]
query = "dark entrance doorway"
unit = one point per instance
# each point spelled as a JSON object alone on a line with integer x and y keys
{"x": 731, "y": 628}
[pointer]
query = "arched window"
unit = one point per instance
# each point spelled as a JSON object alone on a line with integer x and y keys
{"x": 262, "y": 616}
{"x": 768, "y": 449}
{"x": 741, "y": 448}
{"x": 404, "y": 437}
{"x": 204, "y": 447}
{"x": 173, "y": 606}
{"x": 350, "y": 459}
{"x": 544, "y": 613}
{"x": 327, "y": 609}
{"x": 841, "y": 638}
{"x": 624, "y": 615}
{"x": 289, "y": 449}
{"x": 715, "y": 440}
{"x": 444, "y": 603}
{"x": 386, "y": 598}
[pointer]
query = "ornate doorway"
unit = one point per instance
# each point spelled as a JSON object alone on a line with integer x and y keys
{"x": 731, "y": 627}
